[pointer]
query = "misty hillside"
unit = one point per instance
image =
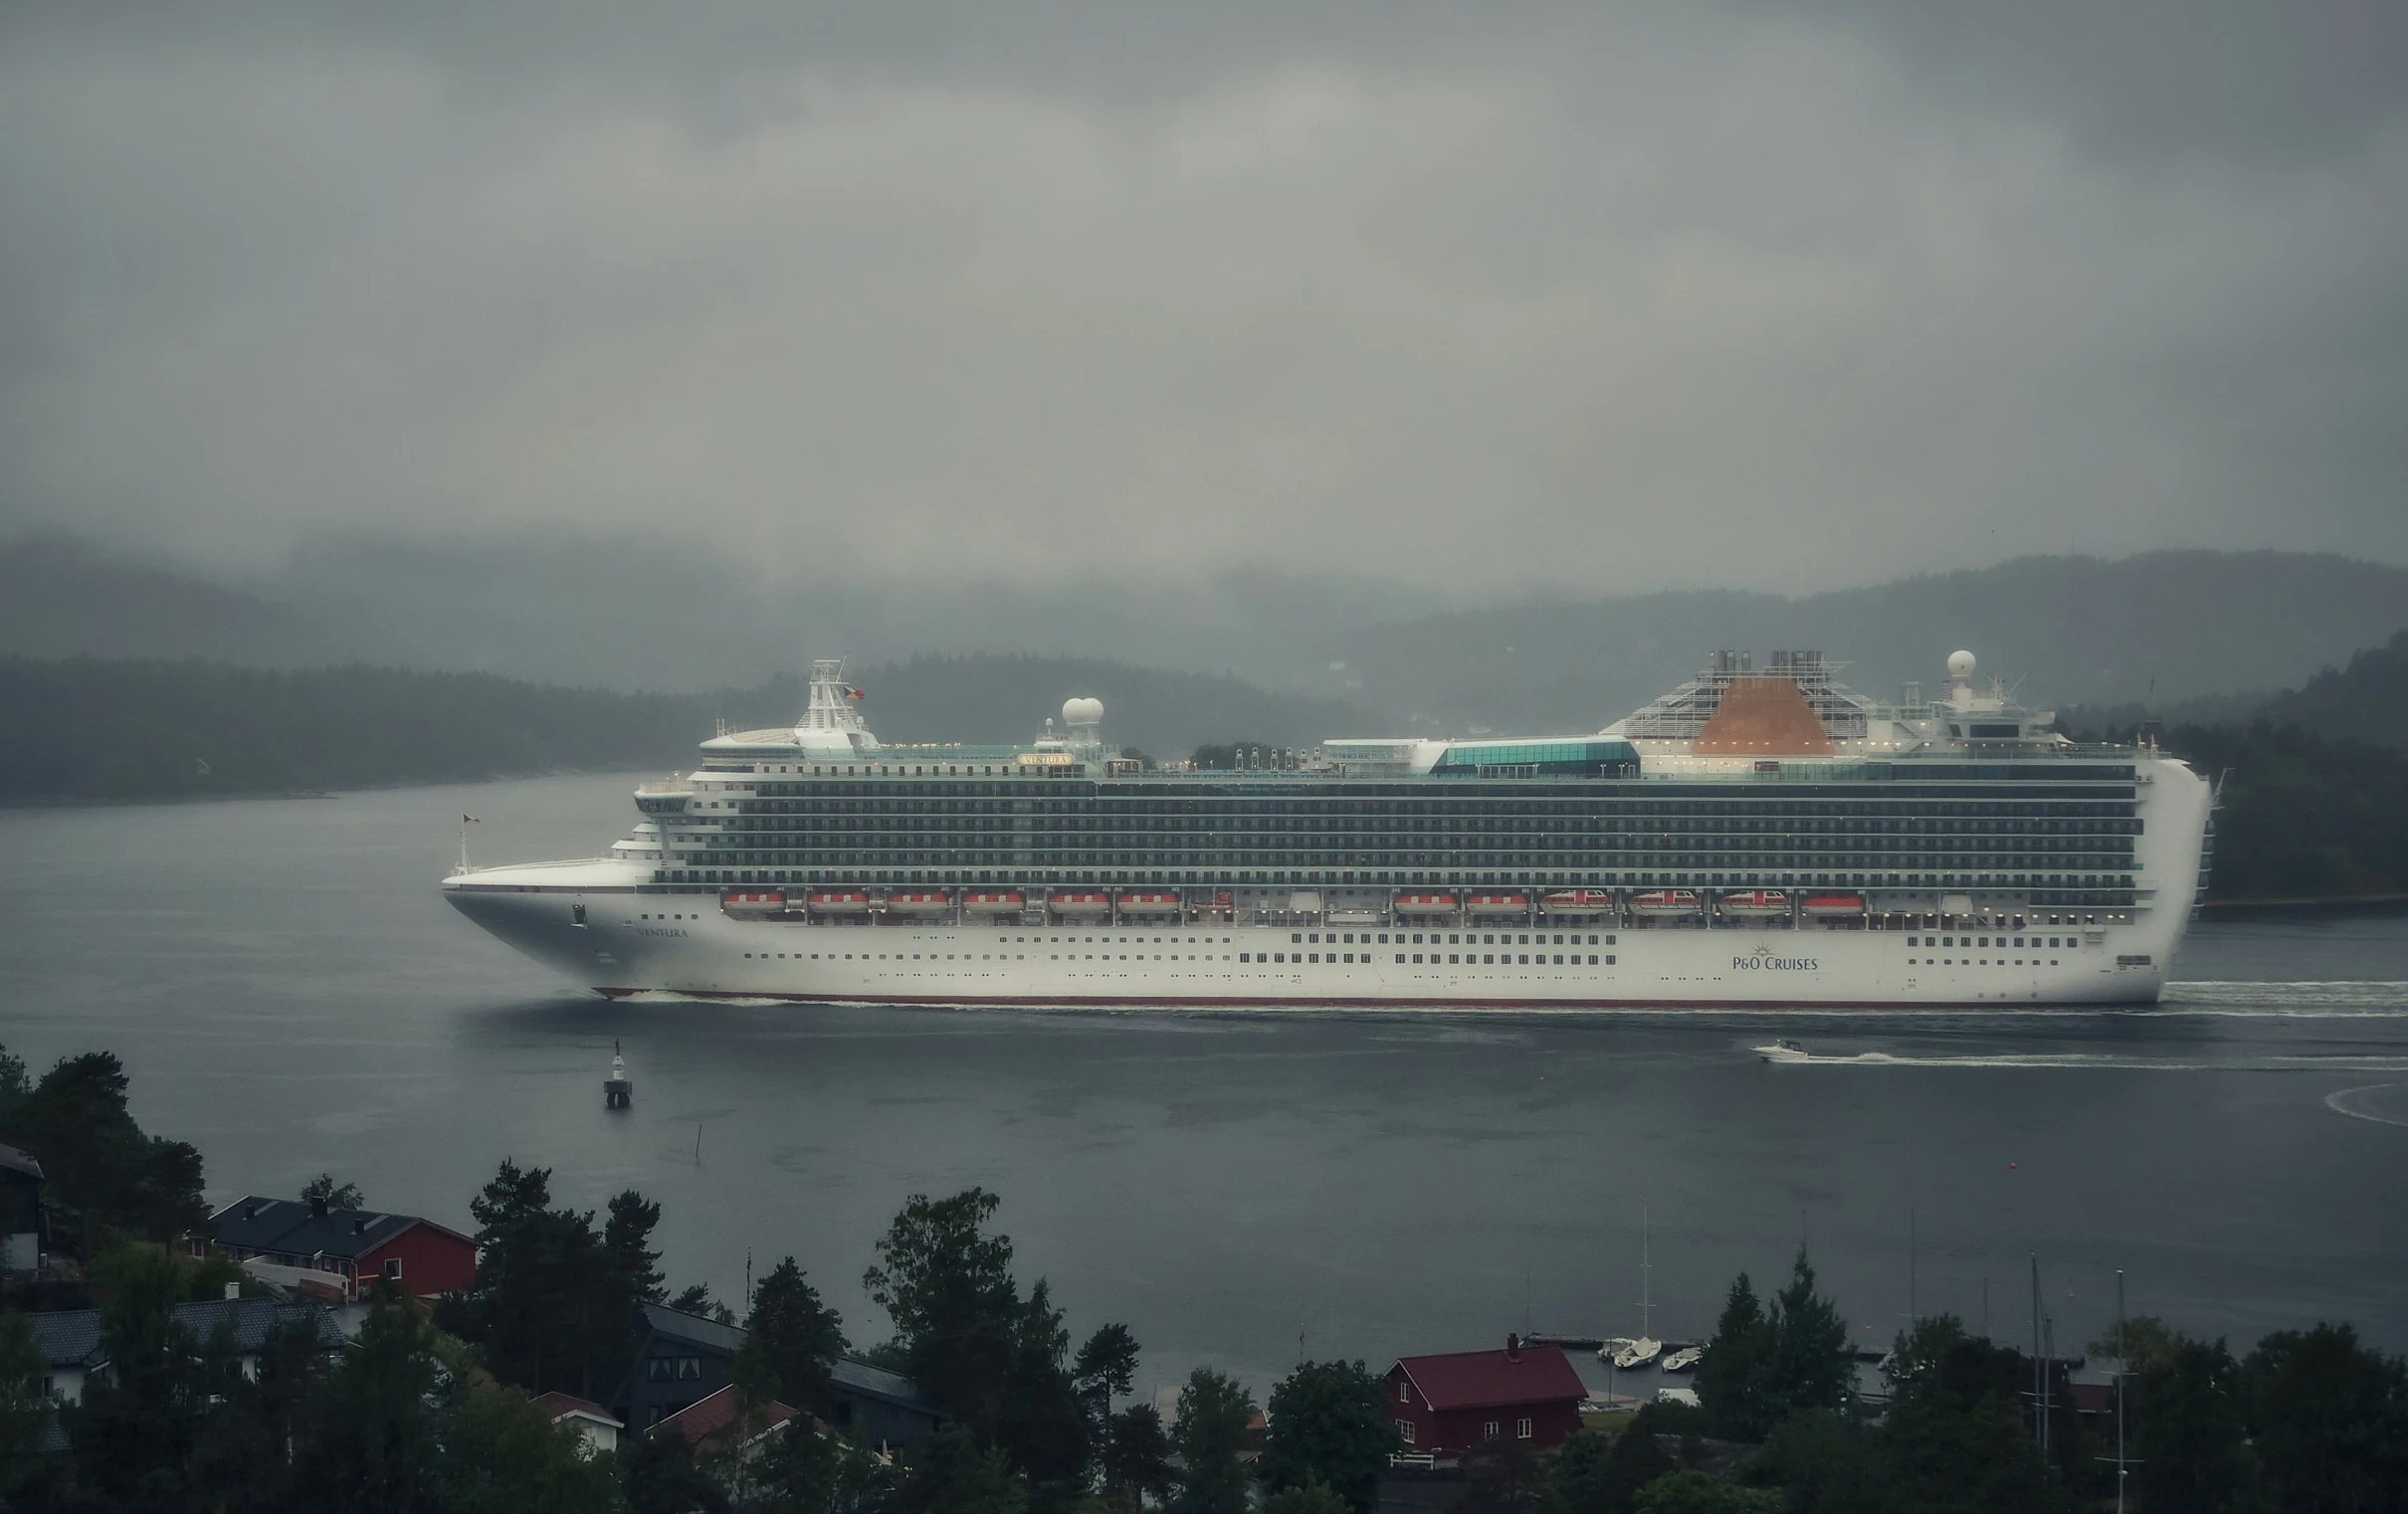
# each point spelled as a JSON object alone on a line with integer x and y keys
{"x": 2366, "y": 700}
{"x": 2153, "y": 629}
{"x": 2150, "y": 632}
{"x": 90, "y": 729}
{"x": 94, "y": 729}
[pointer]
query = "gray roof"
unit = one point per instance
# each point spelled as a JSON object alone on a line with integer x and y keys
{"x": 878, "y": 1382}
{"x": 289, "y": 1227}
{"x": 679, "y": 1325}
{"x": 16, "y": 1161}
{"x": 67, "y": 1337}
{"x": 72, "y": 1337}
{"x": 254, "y": 1319}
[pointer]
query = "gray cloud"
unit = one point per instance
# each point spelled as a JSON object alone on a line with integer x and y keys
{"x": 1765, "y": 297}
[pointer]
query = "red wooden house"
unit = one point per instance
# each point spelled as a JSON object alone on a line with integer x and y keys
{"x": 1444, "y": 1405}
{"x": 342, "y": 1253}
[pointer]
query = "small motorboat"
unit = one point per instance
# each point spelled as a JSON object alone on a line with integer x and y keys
{"x": 1639, "y": 1352}
{"x": 1004, "y": 902}
{"x": 1613, "y": 1346}
{"x": 1684, "y": 1360}
{"x": 1497, "y": 904}
{"x": 1783, "y": 1052}
{"x": 1423, "y": 905}
{"x": 839, "y": 901}
{"x": 1081, "y": 907}
{"x": 920, "y": 903}
{"x": 1151, "y": 903}
{"x": 1832, "y": 906}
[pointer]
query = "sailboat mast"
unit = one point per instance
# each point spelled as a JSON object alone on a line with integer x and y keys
{"x": 1647, "y": 1267}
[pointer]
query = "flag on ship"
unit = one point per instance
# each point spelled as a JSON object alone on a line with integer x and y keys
{"x": 850, "y": 692}
{"x": 470, "y": 819}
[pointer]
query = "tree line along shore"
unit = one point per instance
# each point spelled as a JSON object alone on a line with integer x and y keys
{"x": 451, "y": 1405}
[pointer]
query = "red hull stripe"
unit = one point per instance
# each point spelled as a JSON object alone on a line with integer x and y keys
{"x": 1114, "y": 1000}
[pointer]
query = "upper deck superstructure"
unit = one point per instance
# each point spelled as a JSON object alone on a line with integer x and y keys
{"x": 1776, "y": 804}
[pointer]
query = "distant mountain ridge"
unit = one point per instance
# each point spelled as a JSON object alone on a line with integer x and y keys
{"x": 2151, "y": 630}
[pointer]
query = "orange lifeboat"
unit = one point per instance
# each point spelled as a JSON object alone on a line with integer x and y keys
{"x": 1079, "y": 906}
{"x": 1423, "y": 905}
{"x": 1665, "y": 901}
{"x": 920, "y": 903}
{"x": 839, "y": 901}
{"x": 1827, "y": 904}
{"x": 1498, "y": 904}
{"x": 1756, "y": 904}
{"x": 1151, "y": 903}
{"x": 1009, "y": 901}
{"x": 753, "y": 904}
{"x": 1582, "y": 903}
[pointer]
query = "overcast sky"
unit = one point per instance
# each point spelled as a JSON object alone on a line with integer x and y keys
{"x": 1481, "y": 298}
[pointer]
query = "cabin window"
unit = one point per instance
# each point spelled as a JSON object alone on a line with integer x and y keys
{"x": 1404, "y": 1392}
{"x": 1488, "y": 1430}
{"x": 1521, "y": 1429}
{"x": 392, "y": 1269}
{"x": 1404, "y": 1431}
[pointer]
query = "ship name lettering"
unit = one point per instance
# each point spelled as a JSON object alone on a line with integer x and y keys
{"x": 1778, "y": 964}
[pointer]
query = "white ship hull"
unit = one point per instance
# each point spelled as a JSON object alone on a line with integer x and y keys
{"x": 625, "y": 947}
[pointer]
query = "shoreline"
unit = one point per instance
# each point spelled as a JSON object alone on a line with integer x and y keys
{"x": 2282, "y": 908}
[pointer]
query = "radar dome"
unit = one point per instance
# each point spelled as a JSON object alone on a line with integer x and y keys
{"x": 1082, "y": 711}
{"x": 1960, "y": 665}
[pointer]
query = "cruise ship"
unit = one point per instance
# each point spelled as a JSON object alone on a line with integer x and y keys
{"x": 1757, "y": 837}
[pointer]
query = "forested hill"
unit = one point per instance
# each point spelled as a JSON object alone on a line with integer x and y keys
{"x": 2365, "y": 701}
{"x": 2304, "y": 815}
{"x": 86, "y": 728}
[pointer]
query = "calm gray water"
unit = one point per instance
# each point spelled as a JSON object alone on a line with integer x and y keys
{"x": 290, "y": 994}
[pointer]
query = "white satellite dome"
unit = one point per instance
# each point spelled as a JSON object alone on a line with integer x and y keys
{"x": 1960, "y": 665}
{"x": 1082, "y": 713}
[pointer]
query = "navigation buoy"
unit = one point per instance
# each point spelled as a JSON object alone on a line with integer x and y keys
{"x": 617, "y": 1092}
{"x": 2010, "y": 1167}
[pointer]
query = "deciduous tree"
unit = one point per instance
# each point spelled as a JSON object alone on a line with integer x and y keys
{"x": 1208, "y": 1438}
{"x": 2328, "y": 1419}
{"x": 322, "y": 1188}
{"x": 1330, "y": 1425}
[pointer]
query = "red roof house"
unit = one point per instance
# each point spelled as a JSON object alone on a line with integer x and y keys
{"x": 708, "y": 1424}
{"x": 347, "y": 1251}
{"x": 1444, "y": 1405}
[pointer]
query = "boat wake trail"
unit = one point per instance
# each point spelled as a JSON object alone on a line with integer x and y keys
{"x": 2383, "y": 1103}
{"x": 2373, "y": 1001}
{"x": 2111, "y": 1062}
